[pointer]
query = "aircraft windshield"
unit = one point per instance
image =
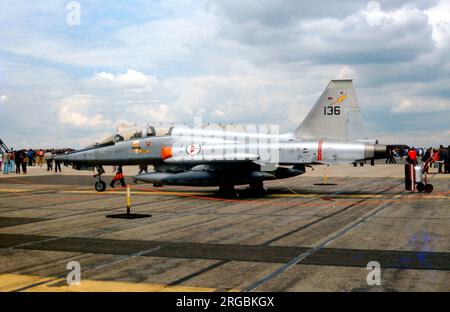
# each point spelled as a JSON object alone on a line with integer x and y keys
{"x": 118, "y": 138}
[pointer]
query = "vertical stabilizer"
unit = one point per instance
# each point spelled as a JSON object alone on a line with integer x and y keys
{"x": 335, "y": 114}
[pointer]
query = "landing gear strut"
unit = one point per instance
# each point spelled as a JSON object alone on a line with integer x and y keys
{"x": 100, "y": 185}
{"x": 257, "y": 188}
{"x": 227, "y": 191}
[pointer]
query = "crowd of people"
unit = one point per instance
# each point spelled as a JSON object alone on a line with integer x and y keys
{"x": 439, "y": 157}
{"x": 18, "y": 161}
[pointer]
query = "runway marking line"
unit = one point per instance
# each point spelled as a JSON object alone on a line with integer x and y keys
{"x": 12, "y": 190}
{"x": 12, "y": 282}
{"x": 199, "y": 194}
{"x": 135, "y": 192}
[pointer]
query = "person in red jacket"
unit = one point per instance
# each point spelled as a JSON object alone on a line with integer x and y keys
{"x": 412, "y": 156}
{"x": 118, "y": 177}
{"x": 436, "y": 155}
{"x": 40, "y": 158}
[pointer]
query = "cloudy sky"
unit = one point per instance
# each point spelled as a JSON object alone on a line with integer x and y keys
{"x": 227, "y": 61}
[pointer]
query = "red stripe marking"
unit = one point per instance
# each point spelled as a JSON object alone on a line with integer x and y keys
{"x": 319, "y": 150}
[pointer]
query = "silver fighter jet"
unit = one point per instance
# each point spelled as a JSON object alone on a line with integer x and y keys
{"x": 202, "y": 156}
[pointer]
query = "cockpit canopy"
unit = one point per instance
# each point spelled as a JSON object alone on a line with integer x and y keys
{"x": 132, "y": 134}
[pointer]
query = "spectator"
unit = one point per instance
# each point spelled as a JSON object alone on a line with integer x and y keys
{"x": 48, "y": 158}
{"x": 118, "y": 177}
{"x": 57, "y": 164}
{"x": 436, "y": 158}
{"x": 442, "y": 155}
{"x": 412, "y": 156}
{"x": 447, "y": 160}
{"x": 40, "y": 158}
{"x": 30, "y": 155}
{"x": 25, "y": 161}
{"x": 6, "y": 164}
{"x": 18, "y": 157}
{"x": 390, "y": 159}
{"x": 427, "y": 155}
{"x": 143, "y": 168}
{"x": 12, "y": 156}
{"x": 396, "y": 153}
{"x": 419, "y": 152}
{"x": 430, "y": 157}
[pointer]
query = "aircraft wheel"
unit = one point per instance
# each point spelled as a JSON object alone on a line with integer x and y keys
{"x": 428, "y": 188}
{"x": 257, "y": 188}
{"x": 231, "y": 195}
{"x": 420, "y": 187}
{"x": 100, "y": 186}
{"x": 227, "y": 191}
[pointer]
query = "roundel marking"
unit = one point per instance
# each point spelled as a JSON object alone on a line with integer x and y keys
{"x": 193, "y": 149}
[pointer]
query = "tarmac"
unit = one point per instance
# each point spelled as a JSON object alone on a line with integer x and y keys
{"x": 301, "y": 236}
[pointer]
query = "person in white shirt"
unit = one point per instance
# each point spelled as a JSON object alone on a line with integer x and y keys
{"x": 48, "y": 158}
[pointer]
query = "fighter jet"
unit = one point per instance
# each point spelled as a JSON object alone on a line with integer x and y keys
{"x": 202, "y": 156}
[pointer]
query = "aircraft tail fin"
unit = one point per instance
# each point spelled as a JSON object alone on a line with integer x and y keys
{"x": 335, "y": 115}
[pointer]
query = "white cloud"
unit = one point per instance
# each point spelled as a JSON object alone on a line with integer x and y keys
{"x": 219, "y": 114}
{"x": 346, "y": 72}
{"x": 159, "y": 114}
{"x": 75, "y": 111}
{"x": 374, "y": 15}
{"x": 3, "y": 99}
{"x": 253, "y": 97}
{"x": 390, "y": 36}
{"x": 142, "y": 44}
{"x": 421, "y": 105}
{"x": 131, "y": 80}
{"x": 439, "y": 19}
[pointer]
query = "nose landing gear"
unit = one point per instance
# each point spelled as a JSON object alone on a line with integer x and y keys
{"x": 100, "y": 185}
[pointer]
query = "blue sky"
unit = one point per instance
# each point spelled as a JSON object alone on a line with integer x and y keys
{"x": 248, "y": 61}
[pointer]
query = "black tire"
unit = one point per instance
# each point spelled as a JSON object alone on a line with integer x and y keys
{"x": 227, "y": 191}
{"x": 257, "y": 188}
{"x": 420, "y": 187}
{"x": 429, "y": 188}
{"x": 100, "y": 186}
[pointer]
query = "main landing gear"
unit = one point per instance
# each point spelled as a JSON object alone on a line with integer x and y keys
{"x": 100, "y": 185}
{"x": 227, "y": 191}
{"x": 257, "y": 188}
